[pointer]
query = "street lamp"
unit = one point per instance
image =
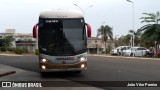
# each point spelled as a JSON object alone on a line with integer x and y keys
{"x": 96, "y": 47}
{"x": 133, "y": 20}
{"x": 103, "y": 23}
{"x": 82, "y": 9}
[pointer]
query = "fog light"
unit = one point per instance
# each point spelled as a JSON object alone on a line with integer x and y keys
{"x": 43, "y": 67}
{"x": 82, "y": 65}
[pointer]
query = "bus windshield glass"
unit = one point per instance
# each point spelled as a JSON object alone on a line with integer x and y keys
{"x": 62, "y": 36}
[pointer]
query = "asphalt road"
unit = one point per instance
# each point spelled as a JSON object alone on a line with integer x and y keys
{"x": 99, "y": 69}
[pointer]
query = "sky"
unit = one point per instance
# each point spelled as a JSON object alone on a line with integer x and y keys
{"x": 22, "y": 15}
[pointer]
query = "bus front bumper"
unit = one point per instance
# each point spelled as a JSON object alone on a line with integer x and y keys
{"x": 46, "y": 67}
{"x": 62, "y": 70}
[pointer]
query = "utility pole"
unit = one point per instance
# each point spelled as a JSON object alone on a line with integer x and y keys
{"x": 132, "y": 38}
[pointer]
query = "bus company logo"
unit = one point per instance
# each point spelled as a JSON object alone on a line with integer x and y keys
{"x": 65, "y": 58}
{"x": 6, "y": 84}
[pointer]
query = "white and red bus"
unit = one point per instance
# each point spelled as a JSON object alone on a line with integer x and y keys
{"x": 62, "y": 40}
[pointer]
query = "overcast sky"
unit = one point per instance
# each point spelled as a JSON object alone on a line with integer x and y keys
{"x": 23, "y": 14}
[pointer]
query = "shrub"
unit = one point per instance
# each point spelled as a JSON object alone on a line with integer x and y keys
{"x": 36, "y": 52}
{"x": 109, "y": 49}
{"x": 18, "y": 51}
{"x": 158, "y": 53}
{"x": 11, "y": 49}
{"x": 24, "y": 50}
{"x": 3, "y": 49}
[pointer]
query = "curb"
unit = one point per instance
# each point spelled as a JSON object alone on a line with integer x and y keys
{"x": 7, "y": 73}
{"x": 158, "y": 59}
{"x": 10, "y": 55}
{"x": 16, "y": 55}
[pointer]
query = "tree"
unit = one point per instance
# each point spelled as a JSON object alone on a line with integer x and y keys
{"x": 6, "y": 43}
{"x": 123, "y": 40}
{"x": 105, "y": 32}
{"x": 151, "y": 17}
{"x": 137, "y": 34}
{"x": 151, "y": 32}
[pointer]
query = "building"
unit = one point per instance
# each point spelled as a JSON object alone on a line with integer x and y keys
{"x": 20, "y": 40}
{"x": 25, "y": 41}
{"x": 96, "y": 46}
{"x": 10, "y": 31}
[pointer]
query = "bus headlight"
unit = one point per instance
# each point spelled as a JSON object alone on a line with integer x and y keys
{"x": 43, "y": 60}
{"x": 43, "y": 67}
{"x": 82, "y": 59}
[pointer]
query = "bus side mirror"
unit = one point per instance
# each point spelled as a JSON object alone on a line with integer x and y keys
{"x": 88, "y": 30}
{"x": 35, "y": 31}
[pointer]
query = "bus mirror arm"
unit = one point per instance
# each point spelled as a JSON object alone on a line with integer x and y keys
{"x": 35, "y": 31}
{"x": 88, "y": 30}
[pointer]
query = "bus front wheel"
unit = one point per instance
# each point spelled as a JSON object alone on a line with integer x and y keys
{"x": 78, "y": 71}
{"x": 43, "y": 73}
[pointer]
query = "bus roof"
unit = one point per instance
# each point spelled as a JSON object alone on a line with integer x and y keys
{"x": 61, "y": 14}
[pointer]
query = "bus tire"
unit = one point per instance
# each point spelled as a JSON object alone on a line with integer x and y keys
{"x": 78, "y": 71}
{"x": 43, "y": 73}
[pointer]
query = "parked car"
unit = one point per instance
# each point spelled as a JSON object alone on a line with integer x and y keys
{"x": 119, "y": 50}
{"x": 137, "y": 51}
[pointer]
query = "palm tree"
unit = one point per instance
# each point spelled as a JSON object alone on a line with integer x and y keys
{"x": 105, "y": 32}
{"x": 136, "y": 34}
{"x": 151, "y": 32}
{"x": 151, "y": 17}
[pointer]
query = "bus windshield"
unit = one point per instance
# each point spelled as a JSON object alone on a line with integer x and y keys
{"x": 62, "y": 37}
